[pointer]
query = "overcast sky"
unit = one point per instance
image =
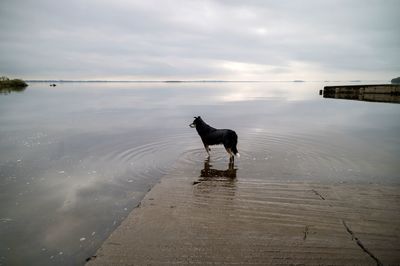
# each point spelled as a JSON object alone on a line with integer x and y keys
{"x": 233, "y": 40}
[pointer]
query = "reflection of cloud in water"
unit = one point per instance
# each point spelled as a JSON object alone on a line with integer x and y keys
{"x": 239, "y": 92}
{"x": 90, "y": 209}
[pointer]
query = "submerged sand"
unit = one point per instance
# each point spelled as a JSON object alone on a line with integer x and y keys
{"x": 219, "y": 219}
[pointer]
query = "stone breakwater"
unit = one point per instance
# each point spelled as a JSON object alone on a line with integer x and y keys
{"x": 374, "y": 93}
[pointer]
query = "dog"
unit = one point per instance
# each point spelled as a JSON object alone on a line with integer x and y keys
{"x": 212, "y": 136}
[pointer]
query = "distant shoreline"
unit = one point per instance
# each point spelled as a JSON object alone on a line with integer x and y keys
{"x": 201, "y": 81}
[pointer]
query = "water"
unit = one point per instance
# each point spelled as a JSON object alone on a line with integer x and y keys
{"x": 77, "y": 158}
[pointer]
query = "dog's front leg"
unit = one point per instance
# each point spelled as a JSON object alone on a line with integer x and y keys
{"x": 207, "y": 149}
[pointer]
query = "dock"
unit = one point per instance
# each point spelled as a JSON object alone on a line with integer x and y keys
{"x": 375, "y": 93}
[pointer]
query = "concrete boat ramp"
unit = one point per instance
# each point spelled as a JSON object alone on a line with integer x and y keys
{"x": 218, "y": 219}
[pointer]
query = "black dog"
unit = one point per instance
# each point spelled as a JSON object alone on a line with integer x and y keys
{"x": 213, "y": 136}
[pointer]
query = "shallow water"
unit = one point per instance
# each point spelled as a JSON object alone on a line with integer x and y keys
{"x": 77, "y": 158}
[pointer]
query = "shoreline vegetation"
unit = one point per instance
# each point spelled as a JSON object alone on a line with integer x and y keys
{"x": 8, "y": 85}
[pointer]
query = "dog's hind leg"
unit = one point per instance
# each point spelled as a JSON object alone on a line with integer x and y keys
{"x": 229, "y": 150}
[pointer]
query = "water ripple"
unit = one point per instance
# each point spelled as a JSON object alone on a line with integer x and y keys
{"x": 289, "y": 154}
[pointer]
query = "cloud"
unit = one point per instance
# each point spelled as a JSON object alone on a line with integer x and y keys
{"x": 263, "y": 40}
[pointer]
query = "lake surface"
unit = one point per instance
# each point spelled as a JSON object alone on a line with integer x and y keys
{"x": 75, "y": 159}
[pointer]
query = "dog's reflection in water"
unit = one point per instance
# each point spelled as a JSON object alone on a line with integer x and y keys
{"x": 215, "y": 186}
{"x": 210, "y": 174}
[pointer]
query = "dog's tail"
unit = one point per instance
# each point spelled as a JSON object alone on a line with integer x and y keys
{"x": 235, "y": 151}
{"x": 234, "y": 146}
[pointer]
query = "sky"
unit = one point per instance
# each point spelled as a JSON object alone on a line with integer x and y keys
{"x": 200, "y": 40}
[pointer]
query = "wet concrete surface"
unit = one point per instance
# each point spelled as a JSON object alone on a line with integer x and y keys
{"x": 213, "y": 217}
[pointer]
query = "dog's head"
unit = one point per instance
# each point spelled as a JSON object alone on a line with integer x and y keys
{"x": 195, "y": 121}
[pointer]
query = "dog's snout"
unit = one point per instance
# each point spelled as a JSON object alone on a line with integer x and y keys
{"x": 192, "y": 125}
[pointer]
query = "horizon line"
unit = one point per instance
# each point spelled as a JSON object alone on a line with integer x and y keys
{"x": 194, "y": 81}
